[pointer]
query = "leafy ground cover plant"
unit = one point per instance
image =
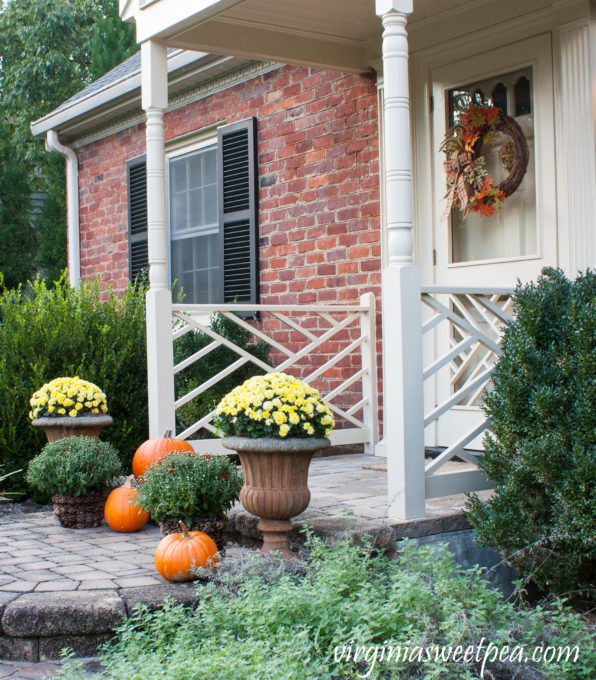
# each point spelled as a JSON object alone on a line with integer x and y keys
{"x": 74, "y": 466}
{"x": 185, "y": 486}
{"x": 262, "y": 619}
{"x": 542, "y": 457}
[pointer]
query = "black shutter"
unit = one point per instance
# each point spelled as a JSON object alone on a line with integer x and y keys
{"x": 137, "y": 217}
{"x": 237, "y": 167}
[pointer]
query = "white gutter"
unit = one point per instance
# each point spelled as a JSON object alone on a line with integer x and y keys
{"x": 72, "y": 202}
{"x": 129, "y": 83}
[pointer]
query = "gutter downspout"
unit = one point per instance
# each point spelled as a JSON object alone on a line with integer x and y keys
{"x": 72, "y": 202}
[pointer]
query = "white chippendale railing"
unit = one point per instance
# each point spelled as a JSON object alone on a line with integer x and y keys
{"x": 331, "y": 346}
{"x": 461, "y": 330}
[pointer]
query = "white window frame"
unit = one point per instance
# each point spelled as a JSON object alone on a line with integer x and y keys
{"x": 183, "y": 146}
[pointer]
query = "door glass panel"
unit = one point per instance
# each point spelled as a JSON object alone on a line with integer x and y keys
{"x": 511, "y": 231}
{"x": 194, "y": 226}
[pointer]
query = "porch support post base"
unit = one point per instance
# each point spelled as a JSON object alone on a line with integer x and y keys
{"x": 160, "y": 359}
{"x": 404, "y": 399}
{"x": 402, "y": 326}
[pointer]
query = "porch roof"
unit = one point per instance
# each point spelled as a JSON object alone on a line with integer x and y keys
{"x": 341, "y": 35}
{"x": 118, "y": 92}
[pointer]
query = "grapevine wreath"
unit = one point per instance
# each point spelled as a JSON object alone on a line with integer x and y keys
{"x": 469, "y": 185}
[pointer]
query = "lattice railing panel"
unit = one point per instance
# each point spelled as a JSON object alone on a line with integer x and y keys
{"x": 333, "y": 347}
{"x": 466, "y": 325}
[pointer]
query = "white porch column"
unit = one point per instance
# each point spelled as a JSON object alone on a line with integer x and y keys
{"x": 402, "y": 327}
{"x": 154, "y": 84}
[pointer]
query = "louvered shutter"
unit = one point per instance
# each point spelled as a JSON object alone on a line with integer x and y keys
{"x": 137, "y": 217}
{"x": 238, "y": 211}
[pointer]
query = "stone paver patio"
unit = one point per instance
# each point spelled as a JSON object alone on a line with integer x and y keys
{"x": 38, "y": 555}
{"x": 63, "y": 587}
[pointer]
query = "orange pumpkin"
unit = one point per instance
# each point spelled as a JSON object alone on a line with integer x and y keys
{"x": 120, "y": 512}
{"x": 154, "y": 449}
{"x": 177, "y": 555}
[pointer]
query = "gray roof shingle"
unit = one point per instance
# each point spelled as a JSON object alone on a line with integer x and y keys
{"x": 125, "y": 69}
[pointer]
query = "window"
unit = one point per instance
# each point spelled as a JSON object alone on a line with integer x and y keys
{"x": 511, "y": 231}
{"x": 194, "y": 225}
{"x": 212, "y": 218}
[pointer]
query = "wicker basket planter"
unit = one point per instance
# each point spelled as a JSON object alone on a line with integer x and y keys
{"x": 215, "y": 527}
{"x": 80, "y": 512}
{"x": 275, "y": 483}
{"x": 82, "y": 426}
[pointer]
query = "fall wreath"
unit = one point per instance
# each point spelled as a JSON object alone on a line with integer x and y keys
{"x": 469, "y": 185}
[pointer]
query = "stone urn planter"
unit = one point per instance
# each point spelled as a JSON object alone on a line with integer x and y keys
{"x": 82, "y": 426}
{"x": 275, "y": 483}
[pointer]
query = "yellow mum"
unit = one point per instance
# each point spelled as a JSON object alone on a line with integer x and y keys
{"x": 67, "y": 393}
{"x": 275, "y": 404}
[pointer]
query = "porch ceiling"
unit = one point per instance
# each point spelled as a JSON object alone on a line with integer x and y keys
{"x": 342, "y": 35}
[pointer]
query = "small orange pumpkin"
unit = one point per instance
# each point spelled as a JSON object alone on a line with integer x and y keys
{"x": 154, "y": 449}
{"x": 120, "y": 512}
{"x": 177, "y": 555}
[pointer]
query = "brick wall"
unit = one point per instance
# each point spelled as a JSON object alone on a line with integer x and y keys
{"x": 318, "y": 167}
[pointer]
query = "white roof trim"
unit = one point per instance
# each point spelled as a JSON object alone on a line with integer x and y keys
{"x": 127, "y": 84}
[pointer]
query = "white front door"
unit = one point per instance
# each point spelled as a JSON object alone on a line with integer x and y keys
{"x": 514, "y": 243}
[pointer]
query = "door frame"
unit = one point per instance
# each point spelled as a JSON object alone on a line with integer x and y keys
{"x": 535, "y": 51}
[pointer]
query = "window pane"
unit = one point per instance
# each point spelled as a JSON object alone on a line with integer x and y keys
{"x": 511, "y": 231}
{"x": 188, "y": 179}
{"x": 195, "y": 267}
{"x": 209, "y": 168}
{"x": 195, "y": 175}
{"x": 194, "y": 228}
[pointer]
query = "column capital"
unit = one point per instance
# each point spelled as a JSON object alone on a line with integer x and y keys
{"x": 383, "y": 7}
{"x": 154, "y": 75}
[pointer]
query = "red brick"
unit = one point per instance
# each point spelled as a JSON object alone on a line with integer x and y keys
{"x": 318, "y": 222}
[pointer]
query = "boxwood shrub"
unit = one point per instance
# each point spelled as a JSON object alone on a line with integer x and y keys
{"x": 48, "y": 331}
{"x": 542, "y": 457}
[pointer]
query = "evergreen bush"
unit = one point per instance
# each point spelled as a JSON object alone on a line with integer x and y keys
{"x": 542, "y": 457}
{"x": 51, "y": 331}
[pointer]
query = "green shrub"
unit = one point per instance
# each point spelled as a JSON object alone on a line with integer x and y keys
{"x": 74, "y": 466}
{"x": 210, "y": 365}
{"x": 542, "y": 458}
{"x": 51, "y": 331}
{"x": 261, "y": 620}
{"x": 185, "y": 486}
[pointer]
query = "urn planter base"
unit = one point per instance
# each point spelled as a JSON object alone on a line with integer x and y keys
{"x": 275, "y": 483}
{"x": 275, "y": 536}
